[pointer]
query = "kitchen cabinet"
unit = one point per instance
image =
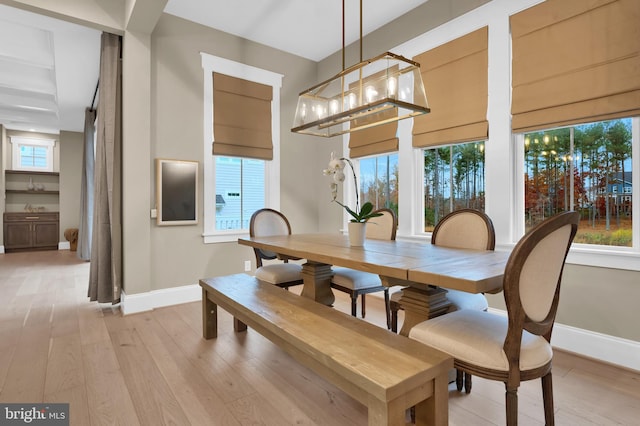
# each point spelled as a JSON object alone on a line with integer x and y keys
{"x": 31, "y": 231}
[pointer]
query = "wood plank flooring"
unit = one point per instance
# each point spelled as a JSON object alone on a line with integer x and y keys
{"x": 154, "y": 368}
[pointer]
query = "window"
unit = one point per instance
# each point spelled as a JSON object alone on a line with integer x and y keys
{"x": 236, "y": 187}
{"x": 32, "y": 154}
{"x": 240, "y": 183}
{"x": 379, "y": 181}
{"x": 586, "y": 168}
{"x": 453, "y": 179}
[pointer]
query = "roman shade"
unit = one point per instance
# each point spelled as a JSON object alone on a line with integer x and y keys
{"x": 457, "y": 77}
{"x": 241, "y": 118}
{"x": 575, "y": 62}
{"x": 377, "y": 139}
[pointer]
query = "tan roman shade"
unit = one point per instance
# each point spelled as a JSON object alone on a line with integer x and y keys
{"x": 575, "y": 62}
{"x": 455, "y": 76}
{"x": 241, "y": 118}
{"x": 377, "y": 139}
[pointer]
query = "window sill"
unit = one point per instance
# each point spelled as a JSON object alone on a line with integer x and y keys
{"x": 225, "y": 236}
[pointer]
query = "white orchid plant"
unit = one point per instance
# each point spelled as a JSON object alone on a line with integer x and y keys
{"x": 336, "y": 170}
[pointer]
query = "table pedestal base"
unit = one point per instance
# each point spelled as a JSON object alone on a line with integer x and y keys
{"x": 422, "y": 304}
{"x": 317, "y": 282}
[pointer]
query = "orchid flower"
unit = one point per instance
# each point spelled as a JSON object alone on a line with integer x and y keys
{"x": 335, "y": 169}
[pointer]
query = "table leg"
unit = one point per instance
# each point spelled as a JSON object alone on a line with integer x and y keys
{"x": 317, "y": 282}
{"x": 421, "y": 304}
{"x": 209, "y": 317}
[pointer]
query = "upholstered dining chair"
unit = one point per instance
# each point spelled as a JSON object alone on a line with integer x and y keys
{"x": 268, "y": 222}
{"x": 359, "y": 283}
{"x": 515, "y": 347}
{"x": 470, "y": 229}
{"x": 464, "y": 228}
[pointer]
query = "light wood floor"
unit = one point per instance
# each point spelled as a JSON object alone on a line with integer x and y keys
{"x": 155, "y": 369}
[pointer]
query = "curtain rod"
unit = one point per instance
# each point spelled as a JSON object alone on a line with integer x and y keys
{"x": 95, "y": 94}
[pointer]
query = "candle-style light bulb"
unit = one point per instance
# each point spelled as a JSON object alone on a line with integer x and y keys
{"x": 392, "y": 86}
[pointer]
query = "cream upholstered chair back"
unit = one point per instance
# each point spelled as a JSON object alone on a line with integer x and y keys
{"x": 465, "y": 228}
{"x": 266, "y": 223}
{"x": 517, "y": 347}
{"x": 382, "y": 227}
{"x": 533, "y": 275}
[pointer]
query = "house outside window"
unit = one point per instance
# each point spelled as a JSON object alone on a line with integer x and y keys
{"x": 587, "y": 168}
{"x": 240, "y": 183}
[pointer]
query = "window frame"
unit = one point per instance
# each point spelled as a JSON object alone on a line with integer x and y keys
{"x": 211, "y": 64}
{"x": 16, "y": 157}
{"x": 589, "y": 254}
{"x": 420, "y": 223}
{"x": 504, "y": 197}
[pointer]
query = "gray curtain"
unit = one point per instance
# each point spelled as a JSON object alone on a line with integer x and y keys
{"x": 105, "y": 278}
{"x": 86, "y": 191}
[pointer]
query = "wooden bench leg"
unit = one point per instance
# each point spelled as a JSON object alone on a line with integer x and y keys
{"x": 209, "y": 317}
{"x": 238, "y": 325}
{"x": 392, "y": 414}
{"x": 435, "y": 410}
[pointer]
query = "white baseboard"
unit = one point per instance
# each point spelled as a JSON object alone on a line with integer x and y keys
{"x": 610, "y": 349}
{"x": 1, "y": 249}
{"x": 605, "y": 348}
{"x": 134, "y": 303}
{"x": 64, "y": 245}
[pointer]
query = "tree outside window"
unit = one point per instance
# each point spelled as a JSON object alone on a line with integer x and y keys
{"x": 453, "y": 180}
{"x": 379, "y": 181}
{"x": 586, "y": 168}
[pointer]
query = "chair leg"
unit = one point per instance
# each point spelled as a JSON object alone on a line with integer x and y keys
{"x": 394, "y": 308}
{"x": 386, "y": 308}
{"x": 394, "y": 321}
{"x": 547, "y": 398}
{"x": 354, "y": 304}
{"x": 459, "y": 379}
{"x": 364, "y": 307}
{"x": 467, "y": 382}
{"x": 511, "y": 403}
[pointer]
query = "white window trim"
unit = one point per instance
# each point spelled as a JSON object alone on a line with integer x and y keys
{"x": 504, "y": 199}
{"x": 211, "y": 64}
{"x": 17, "y": 141}
{"x": 587, "y": 254}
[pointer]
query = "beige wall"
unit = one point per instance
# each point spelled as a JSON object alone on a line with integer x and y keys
{"x": 178, "y": 254}
{"x": 603, "y": 300}
{"x": 71, "y": 149}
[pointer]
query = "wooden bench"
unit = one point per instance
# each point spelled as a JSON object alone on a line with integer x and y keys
{"x": 386, "y": 372}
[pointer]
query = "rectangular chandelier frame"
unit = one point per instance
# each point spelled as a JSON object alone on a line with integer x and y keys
{"x": 362, "y": 96}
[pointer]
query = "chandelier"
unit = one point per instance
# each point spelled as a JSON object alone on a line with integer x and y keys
{"x": 376, "y": 91}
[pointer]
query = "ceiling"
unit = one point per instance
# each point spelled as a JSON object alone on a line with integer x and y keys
{"x": 49, "y": 68}
{"x": 48, "y": 72}
{"x": 311, "y": 29}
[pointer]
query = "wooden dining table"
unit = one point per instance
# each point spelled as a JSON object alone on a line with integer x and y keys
{"x": 424, "y": 269}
